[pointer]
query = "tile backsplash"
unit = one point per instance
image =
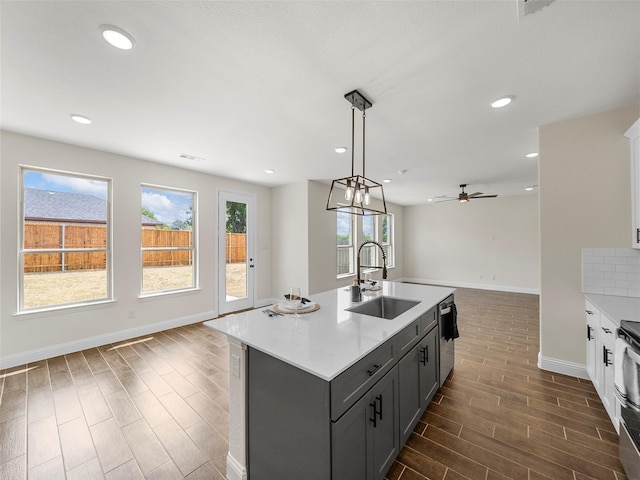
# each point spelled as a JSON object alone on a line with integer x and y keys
{"x": 611, "y": 271}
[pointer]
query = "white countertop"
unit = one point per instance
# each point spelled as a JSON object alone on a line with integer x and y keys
{"x": 616, "y": 308}
{"x": 328, "y": 341}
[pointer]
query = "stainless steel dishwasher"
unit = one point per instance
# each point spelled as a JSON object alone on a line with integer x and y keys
{"x": 447, "y": 323}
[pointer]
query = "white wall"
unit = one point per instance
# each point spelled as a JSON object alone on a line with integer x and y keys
{"x": 585, "y": 202}
{"x": 25, "y": 337}
{"x": 290, "y": 239}
{"x": 490, "y": 243}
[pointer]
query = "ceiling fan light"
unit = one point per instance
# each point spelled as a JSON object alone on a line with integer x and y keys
{"x": 532, "y": 155}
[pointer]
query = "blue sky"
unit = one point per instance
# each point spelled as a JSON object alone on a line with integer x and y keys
{"x": 65, "y": 183}
{"x": 168, "y": 205}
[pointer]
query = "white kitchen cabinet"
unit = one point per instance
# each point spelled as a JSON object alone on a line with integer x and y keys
{"x": 633, "y": 134}
{"x": 601, "y": 335}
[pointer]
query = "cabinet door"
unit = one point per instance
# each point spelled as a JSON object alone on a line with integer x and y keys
{"x": 607, "y": 389}
{"x": 385, "y": 429}
{"x": 364, "y": 440}
{"x": 592, "y": 348}
{"x": 349, "y": 442}
{"x": 428, "y": 358}
{"x": 409, "y": 393}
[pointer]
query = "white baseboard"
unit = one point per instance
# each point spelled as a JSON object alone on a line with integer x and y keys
{"x": 479, "y": 286}
{"x": 563, "y": 367}
{"x": 235, "y": 470}
{"x": 91, "y": 342}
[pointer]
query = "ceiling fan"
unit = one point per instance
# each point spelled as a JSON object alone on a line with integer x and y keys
{"x": 465, "y": 197}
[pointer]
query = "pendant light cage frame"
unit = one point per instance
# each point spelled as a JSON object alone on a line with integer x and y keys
{"x": 357, "y": 194}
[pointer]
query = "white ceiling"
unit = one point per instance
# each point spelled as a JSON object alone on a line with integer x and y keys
{"x": 255, "y": 85}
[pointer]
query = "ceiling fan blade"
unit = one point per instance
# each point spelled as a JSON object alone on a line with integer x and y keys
{"x": 474, "y": 194}
{"x": 486, "y": 196}
{"x": 447, "y": 199}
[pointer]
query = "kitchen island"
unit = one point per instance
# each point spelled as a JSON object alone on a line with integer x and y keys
{"x": 332, "y": 394}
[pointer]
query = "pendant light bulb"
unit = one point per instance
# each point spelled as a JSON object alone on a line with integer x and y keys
{"x": 358, "y": 197}
{"x": 367, "y": 197}
{"x": 348, "y": 193}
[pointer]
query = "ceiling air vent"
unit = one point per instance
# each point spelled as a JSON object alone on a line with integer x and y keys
{"x": 186, "y": 156}
{"x": 527, "y": 7}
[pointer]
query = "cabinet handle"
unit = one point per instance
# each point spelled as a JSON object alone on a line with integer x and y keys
{"x": 605, "y": 356}
{"x": 637, "y": 235}
{"x": 374, "y": 406}
{"x": 424, "y": 351}
{"x": 376, "y": 413}
{"x": 375, "y": 369}
{"x": 589, "y": 312}
{"x": 379, "y": 412}
{"x": 606, "y": 330}
{"x": 589, "y": 333}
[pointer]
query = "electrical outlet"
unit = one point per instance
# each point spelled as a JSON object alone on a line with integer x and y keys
{"x": 131, "y": 313}
{"x": 235, "y": 365}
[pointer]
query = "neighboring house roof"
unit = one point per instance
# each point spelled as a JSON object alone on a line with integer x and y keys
{"x": 45, "y": 205}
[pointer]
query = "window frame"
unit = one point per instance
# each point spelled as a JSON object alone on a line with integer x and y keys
{"x": 22, "y": 251}
{"x": 193, "y": 248}
{"x": 351, "y": 246}
{"x": 375, "y": 236}
{"x": 391, "y": 258}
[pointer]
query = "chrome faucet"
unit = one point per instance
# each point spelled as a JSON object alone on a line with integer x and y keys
{"x": 384, "y": 260}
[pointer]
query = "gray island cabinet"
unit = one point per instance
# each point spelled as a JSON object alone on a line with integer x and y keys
{"x": 330, "y": 396}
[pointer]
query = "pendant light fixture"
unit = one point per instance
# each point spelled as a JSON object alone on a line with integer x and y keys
{"x": 357, "y": 194}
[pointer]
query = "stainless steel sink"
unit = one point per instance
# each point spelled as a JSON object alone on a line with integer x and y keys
{"x": 384, "y": 307}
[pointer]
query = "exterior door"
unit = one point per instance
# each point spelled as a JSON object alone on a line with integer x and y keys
{"x": 236, "y": 240}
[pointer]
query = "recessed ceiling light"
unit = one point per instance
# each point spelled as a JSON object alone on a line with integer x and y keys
{"x": 532, "y": 155}
{"x": 429, "y": 199}
{"x": 530, "y": 187}
{"x": 402, "y": 172}
{"x": 387, "y": 180}
{"x": 117, "y": 37}
{"x": 341, "y": 149}
{"x": 502, "y": 102}
{"x": 269, "y": 171}
{"x": 80, "y": 119}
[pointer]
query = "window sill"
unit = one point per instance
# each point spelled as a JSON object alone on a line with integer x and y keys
{"x": 153, "y": 295}
{"x": 57, "y": 310}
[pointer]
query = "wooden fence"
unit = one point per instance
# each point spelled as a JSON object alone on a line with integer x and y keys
{"x": 49, "y": 236}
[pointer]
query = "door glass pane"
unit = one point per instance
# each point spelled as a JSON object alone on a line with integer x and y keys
{"x": 236, "y": 251}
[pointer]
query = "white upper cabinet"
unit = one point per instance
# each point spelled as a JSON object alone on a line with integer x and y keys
{"x": 633, "y": 134}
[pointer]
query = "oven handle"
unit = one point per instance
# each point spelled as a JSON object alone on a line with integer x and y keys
{"x": 632, "y": 349}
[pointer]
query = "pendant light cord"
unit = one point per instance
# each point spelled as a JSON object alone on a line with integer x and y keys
{"x": 353, "y": 126}
{"x": 363, "y": 130}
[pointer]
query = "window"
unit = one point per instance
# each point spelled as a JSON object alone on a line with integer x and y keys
{"x": 65, "y": 239}
{"x": 345, "y": 242}
{"x": 168, "y": 220}
{"x": 378, "y": 228}
{"x": 369, "y": 253}
{"x": 387, "y": 239}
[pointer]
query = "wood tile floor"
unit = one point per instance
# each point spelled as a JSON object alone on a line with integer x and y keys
{"x": 156, "y": 407}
